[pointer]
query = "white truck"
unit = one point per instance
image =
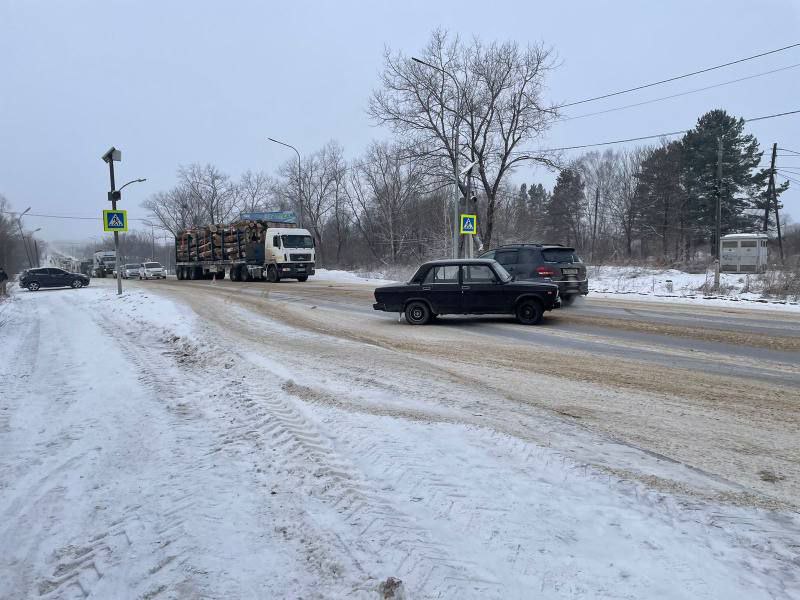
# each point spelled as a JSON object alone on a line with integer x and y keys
{"x": 104, "y": 262}
{"x": 266, "y": 245}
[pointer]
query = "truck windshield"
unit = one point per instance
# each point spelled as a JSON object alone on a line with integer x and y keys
{"x": 297, "y": 241}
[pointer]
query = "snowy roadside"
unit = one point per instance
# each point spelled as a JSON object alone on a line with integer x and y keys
{"x": 635, "y": 284}
{"x": 147, "y": 453}
{"x": 671, "y": 285}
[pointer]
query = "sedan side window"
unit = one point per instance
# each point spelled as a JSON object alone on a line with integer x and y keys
{"x": 442, "y": 274}
{"x": 479, "y": 274}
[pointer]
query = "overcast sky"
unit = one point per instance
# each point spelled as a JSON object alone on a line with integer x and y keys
{"x": 173, "y": 83}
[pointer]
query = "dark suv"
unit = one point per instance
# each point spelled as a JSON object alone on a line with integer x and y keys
{"x": 33, "y": 279}
{"x": 545, "y": 262}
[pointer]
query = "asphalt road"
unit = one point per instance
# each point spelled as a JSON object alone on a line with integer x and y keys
{"x": 716, "y": 389}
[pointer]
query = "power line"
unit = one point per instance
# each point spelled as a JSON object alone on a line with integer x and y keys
{"x": 677, "y": 77}
{"x": 703, "y": 89}
{"x": 787, "y": 150}
{"x": 11, "y": 212}
{"x": 797, "y": 181}
{"x": 647, "y": 137}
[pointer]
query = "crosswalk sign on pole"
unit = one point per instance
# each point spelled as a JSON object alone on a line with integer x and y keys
{"x": 469, "y": 224}
{"x": 115, "y": 220}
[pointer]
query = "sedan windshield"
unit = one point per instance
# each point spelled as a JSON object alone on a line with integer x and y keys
{"x": 297, "y": 241}
{"x": 152, "y": 266}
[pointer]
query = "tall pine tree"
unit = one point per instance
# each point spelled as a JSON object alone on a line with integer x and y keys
{"x": 742, "y": 182}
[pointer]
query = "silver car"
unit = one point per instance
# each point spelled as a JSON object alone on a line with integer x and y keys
{"x": 131, "y": 270}
{"x": 152, "y": 270}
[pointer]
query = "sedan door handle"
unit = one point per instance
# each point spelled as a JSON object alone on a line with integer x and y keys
{"x": 426, "y": 288}
{"x": 464, "y": 287}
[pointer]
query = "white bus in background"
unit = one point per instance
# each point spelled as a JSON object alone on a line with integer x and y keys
{"x": 743, "y": 253}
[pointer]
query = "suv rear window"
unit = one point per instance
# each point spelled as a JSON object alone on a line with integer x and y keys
{"x": 560, "y": 255}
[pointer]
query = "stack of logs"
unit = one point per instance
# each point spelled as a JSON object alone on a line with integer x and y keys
{"x": 219, "y": 242}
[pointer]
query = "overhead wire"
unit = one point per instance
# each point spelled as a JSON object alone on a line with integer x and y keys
{"x": 677, "y": 77}
{"x": 75, "y": 217}
{"x": 646, "y": 137}
{"x": 618, "y": 108}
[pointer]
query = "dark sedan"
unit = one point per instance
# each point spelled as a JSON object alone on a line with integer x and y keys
{"x": 467, "y": 287}
{"x": 33, "y": 279}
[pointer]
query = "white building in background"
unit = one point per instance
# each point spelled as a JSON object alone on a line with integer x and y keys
{"x": 744, "y": 253}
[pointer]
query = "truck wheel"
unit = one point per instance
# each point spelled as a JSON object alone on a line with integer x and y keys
{"x": 418, "y": 313}
{"x": 272, "y": 274}
{"x": 219, "y": 275}
{"x": 302, "y": 278}
{"x": 193, "y": 274}
{"x": 179, "y": 273}
{"x": 529, "y": 312}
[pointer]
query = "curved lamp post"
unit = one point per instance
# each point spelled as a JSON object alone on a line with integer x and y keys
{"x": 299, "y": 181}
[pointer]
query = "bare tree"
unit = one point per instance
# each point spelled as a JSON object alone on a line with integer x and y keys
{"x": 254, "y": 191}
{"x": 210, "y": 189}
{"x": 488, "y": 95}
{"x": 382, "y": 187}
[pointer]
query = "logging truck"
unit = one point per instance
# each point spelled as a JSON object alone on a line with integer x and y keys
{"x": 256, "y": 247}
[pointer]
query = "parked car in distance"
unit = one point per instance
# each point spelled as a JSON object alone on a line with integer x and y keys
{"x": 152, "y": 270}
{"x": 545, "y": 262}
{"x": 48, "y": 277}
{"x": 130, "y": 270}
{"x": 467, "y": 287}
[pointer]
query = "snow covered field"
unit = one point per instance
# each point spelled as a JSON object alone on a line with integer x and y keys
{"x": 672, "y": 285}
{"x": 145, "y": 453}
{"x": 639, "y": 284}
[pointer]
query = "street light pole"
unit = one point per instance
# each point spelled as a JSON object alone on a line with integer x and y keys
{"x": 299, "y": 178}
{"x": 456, "y": 176}
{"x": 111, "y": 156}
{"x": 22, "y": 235}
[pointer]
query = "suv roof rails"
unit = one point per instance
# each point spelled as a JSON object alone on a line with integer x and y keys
{"x": 537, "y": 244}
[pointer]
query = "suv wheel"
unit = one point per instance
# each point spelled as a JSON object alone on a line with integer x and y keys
{"x": 33, "y": 286}
{"x": 529, "y": 312}
{"x": 418, "y": 313}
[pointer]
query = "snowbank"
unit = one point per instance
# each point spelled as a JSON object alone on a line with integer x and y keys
{"x": 639, "y": 283}
{"x": 349, "y": 277}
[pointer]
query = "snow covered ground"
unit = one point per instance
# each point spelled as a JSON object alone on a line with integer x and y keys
{"x": 673, "y": 285}
{"x": 639, "y": 284}
{"x": 147, "y": 454}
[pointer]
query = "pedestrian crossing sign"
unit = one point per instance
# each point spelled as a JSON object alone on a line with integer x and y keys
{"x": 115, "y": 220}
{"x": 469, "y": 224}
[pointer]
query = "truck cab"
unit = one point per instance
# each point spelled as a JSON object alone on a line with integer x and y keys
{"x": 288, "y": 253}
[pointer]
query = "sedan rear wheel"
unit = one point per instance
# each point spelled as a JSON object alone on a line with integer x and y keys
{"x": 529, "y": 312}
{"x": 418, "y": 313}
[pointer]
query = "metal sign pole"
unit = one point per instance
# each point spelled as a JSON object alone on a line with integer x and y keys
{"x": 116, "y": 233}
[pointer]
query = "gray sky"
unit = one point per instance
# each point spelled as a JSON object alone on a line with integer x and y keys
{"x": 172, "y": 83}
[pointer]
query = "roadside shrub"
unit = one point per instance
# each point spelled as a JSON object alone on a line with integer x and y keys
{"x": 782, "y": 282}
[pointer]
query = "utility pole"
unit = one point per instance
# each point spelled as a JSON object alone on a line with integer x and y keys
{"x": 718, "y": 234}
{"x": 777, "y": 219}
{"x": 594, "y": 226}
{"x": 770, "y": 187}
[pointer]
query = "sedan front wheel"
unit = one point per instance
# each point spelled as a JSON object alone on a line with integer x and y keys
{"x": 77, "y": 283}
{"x": 530, "y": 312}
{"x": 418, "y": 313}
